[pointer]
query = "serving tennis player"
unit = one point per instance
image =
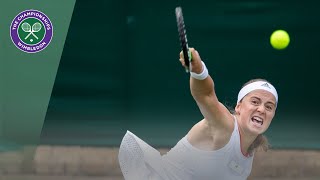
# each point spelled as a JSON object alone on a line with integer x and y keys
{"x": 221, "y": 146}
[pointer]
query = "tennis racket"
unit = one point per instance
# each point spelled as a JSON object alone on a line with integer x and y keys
{"x": 183, "y": 38}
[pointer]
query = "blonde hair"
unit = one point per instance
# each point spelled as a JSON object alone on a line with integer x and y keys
{"x": 260, "y": 143}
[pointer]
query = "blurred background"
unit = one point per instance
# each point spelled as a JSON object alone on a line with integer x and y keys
{"x": 120, "y": 71}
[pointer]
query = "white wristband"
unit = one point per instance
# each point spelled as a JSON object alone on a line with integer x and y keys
{"x": 204, "y": 74}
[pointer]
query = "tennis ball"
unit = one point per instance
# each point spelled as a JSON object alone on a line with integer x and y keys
{"x": 279, "y": 39}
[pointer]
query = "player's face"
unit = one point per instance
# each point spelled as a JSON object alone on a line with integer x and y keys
{"x": 256, "y": 111}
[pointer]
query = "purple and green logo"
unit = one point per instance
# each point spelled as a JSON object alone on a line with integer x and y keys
{"x": 31, "y": 31}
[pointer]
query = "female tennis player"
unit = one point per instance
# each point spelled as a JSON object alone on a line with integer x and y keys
{"x": 221, "y": 146}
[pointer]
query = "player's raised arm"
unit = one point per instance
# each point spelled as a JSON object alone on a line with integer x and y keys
{"x": 202, "y": 90}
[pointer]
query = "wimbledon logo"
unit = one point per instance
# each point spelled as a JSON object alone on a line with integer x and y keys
{"x": 31, "y": 31}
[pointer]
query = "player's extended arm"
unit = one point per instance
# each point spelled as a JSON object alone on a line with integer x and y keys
{"x": 204, "y": 94}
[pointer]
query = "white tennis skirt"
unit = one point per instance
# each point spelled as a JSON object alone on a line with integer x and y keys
{"x": 139, "y": 161}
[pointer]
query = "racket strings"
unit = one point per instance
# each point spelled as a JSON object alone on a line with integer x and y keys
{"x": 36, "y": 27}
{"x": 26, "y": 27}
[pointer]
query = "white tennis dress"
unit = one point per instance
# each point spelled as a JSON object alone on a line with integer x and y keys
{"x": 140, "y": 161}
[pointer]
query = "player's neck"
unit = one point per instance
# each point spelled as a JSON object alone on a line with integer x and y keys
{"x": 246, "y": 140}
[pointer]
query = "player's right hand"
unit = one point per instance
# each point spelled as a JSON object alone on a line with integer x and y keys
{"x": 196, "y": 65}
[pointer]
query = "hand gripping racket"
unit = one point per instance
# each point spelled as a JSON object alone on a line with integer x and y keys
{"x": 183, "y": 38}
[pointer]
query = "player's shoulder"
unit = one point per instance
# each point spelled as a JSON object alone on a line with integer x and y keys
{"x": 226, "y": 117}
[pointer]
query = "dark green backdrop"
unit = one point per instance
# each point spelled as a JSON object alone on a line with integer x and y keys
{"x": 120, "y": 70}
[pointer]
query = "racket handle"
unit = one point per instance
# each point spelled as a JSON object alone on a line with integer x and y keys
{"x": 187, "y": 68}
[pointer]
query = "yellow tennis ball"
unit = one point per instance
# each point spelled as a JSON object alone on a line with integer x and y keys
{"x": 279, "y": 39}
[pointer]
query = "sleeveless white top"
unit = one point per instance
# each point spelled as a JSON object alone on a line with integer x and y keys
{"x": 139, "y": 161}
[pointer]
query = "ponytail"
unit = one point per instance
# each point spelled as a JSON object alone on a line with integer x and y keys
{"x": 260, "y": 143}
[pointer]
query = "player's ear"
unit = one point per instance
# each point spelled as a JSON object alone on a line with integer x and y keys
{"x": 238, "y": 107}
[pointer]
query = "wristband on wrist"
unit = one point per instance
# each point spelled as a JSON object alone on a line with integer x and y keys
{"x": 204, "y": 74}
